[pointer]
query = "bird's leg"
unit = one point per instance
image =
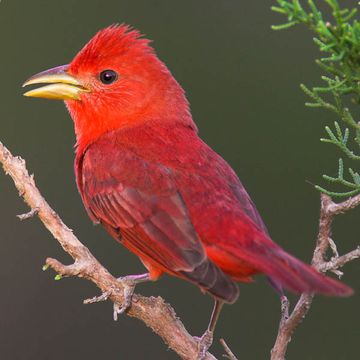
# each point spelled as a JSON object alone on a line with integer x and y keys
{"x": 205, "y": 341}
{"x": 129, "y": 282}
{"x": 283, "y": 299}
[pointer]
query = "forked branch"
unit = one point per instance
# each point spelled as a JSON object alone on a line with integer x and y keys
{"x": 154, "y": 312}
{"x": 289, "y": 323}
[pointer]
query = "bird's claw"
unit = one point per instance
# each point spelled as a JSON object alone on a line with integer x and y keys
{"x": 204, "y": 343}
{"x": 129, "y": 287}
{"x": 119, "y": 309}
{"x": 128, "y": 282}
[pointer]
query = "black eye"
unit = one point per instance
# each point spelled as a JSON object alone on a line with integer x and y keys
{"x": 107, "y": 77}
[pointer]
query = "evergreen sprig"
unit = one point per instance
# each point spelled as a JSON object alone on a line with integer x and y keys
{"x": 339, "y": 38}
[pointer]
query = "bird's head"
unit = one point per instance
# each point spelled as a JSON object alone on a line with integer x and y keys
{"x": 115, "y": 81}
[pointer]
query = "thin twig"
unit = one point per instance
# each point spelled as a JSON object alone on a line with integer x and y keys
{"x": 340, "y": 261}
{"x": 154, "y": 312}
{"x": 28, "y": 215}
{"x": 328, "y": 211}
{"x": 228, "y": 353}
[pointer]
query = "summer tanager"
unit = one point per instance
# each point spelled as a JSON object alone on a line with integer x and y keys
{"x": 145, "y": 175}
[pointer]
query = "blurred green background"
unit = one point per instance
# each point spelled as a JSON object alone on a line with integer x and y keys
{"x": 242, "y": 80}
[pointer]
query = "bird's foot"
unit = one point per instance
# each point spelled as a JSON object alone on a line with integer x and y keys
{"x": 204, "y": 343}
{"x": 285, "y": 304}
{"x": 129, "y": 283}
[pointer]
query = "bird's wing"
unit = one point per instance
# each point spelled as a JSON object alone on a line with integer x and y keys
{"x": 139, "y": 200}
{"x": 138, "y": 203}
{"x": 248, "y": 205}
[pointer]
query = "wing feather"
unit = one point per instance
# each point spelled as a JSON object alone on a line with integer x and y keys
{"x": 145, "y": 206}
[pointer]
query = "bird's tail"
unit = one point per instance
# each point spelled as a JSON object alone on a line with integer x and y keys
{"x": 212, "y": 280}
{"x": 298, "y": 277}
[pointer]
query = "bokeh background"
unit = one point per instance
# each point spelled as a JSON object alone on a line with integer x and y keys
{"x": 242, "y": 80}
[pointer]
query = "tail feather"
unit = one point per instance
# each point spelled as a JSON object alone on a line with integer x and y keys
{"x": 286, "y": 271}
{"x": 299, "y": 277}
{"x": 212, "y": 280}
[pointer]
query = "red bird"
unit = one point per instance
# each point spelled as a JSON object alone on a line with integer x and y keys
{"x": 157, "y": 188}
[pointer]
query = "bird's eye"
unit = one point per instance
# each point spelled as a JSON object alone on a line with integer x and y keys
{"x": 107, "y": 77}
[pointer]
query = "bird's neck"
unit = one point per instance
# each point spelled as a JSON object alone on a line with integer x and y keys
{"x": 91, "y": 125}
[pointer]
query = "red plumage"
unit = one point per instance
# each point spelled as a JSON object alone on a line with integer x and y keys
{"x": 157, "y": 188}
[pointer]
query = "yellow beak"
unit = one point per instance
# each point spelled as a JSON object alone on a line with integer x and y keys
{"x": 63, "y": 86}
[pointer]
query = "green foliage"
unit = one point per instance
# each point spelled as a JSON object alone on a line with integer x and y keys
{"x": 339, "y": 38}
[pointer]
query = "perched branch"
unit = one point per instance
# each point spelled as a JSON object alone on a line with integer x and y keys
{"x": 288, "y": 324}
{"x": 154, "y": 312}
